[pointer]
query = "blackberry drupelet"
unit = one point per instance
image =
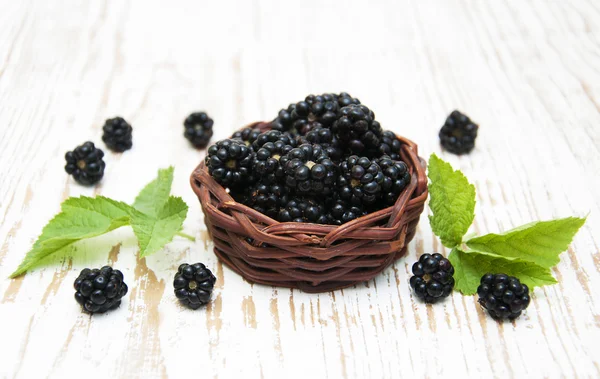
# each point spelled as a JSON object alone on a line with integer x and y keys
{"x": 247, "y": 135}
{"x": 303, "y": 209}
{"x": 357, "y": 129}
{"x": 503, "y": 296}
{"x": 396, "y": 178}
{"x": 458, "y": 133}
{"x": 326, "y": 138}
{"x": 85, "y": 164}
{"x": 389, "y": 145}
{"x": 308, "y": 170}
{"x": 433, "y": 277}
{"x": 194, "y": 285}
{"x": 198, "y": 129}
{"x": 343, "y": 212}
{"x": 99, "y": 290}
{"x": 117, "y": 134}
{"x": 230, "y": 163}
{"x": 360, "y": 181}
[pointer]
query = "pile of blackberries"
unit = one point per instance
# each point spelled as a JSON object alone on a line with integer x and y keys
{"x": 326, "y": 160}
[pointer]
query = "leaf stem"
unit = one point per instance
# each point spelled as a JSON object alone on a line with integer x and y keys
{"x": 186, "y": 236}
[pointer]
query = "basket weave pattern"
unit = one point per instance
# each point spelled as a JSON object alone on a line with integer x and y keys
{"x": 311, "y": 257}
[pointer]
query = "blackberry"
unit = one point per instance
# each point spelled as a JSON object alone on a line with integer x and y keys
{"x": 458, "y": 133}
{"x": 396, "y": 178}
{"x": 357, "y": 128}
{"x": 247, "y": 135}
{"x": 266, "y": 161}
{"x": 99, "y": 290}
{"x": 230, "y": 163}
{"x": 360, "y": 181}
{"x": 389, "y": 145}
{"x": 326, "y": 138}
{"x": 433, "y": 277}
{"x": 343, "y": 212}
{"x": 315, "y": 111}
{"x": 85, "y": 164}
{"x": 503, "y": 296}
{"x": 117, "y": 134}
{"x": 267, "y": 198}
{"x": 303, "y": 210}
{"x": 198, "y": 129}
{"x": 344, "y": 99}
{"x": 194, "y": 284}
{"x": 273, "y": 136}
{"x": 308, "y": 170}
{"x": 241, "y": 195}
{"x": 283, "y": 121}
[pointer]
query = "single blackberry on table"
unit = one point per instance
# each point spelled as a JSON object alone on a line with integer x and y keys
{"x": 503, "y": 296}
{"x": 198, "y": 129}
{"x": 360, "y": 181}
{"x": 433, "y": 277}
{"x": 117, "y": 134}
{"x": 274, "y": 136}
{"x": 267, "y": 198}
{"x": 302, "y": 209}
{"x": 326, "y": 139}
{"x": 396, "y": 178}
{"x": 344, "y": 99}
{"x": 343, "y": 212}
{"x": 194, "y": 285}
{"x": 389, "y": 145}
{"x": 99, "y": 290}
{"x": 308, "y": 170}
{"x": 458, "y": 133}
{"x": 230, "y": 163}
{"x": 357, "y": 128}
{"x": 85, "y": 164}
{"x": 247, "y": 135}
{"x": 266, "y": 161}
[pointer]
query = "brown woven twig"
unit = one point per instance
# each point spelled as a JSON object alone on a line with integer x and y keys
{"x": 312, "y": 257}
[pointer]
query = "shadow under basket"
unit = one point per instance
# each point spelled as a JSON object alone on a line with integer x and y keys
{"x": 311, "y": 257}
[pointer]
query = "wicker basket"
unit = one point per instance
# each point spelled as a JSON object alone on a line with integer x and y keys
{"x": 311, "y": 257}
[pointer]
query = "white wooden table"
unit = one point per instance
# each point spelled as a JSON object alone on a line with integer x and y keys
{"x": 528, "y": 71}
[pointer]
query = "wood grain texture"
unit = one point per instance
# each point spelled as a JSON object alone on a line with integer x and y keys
{"x": 528, "y": 71}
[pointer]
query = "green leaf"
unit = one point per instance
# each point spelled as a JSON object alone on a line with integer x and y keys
{"x": 80, "y": 218}
{"x": 470, "y": 267}
{"x": 155, "y": 232}
{"x": 152, "y": 199}
{"x": 156, "y": 218}
{"x": 539, "y": 242}
{"x": 452, "y": 201}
